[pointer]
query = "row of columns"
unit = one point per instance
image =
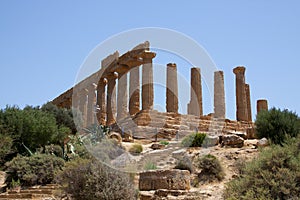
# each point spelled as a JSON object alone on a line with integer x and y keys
{"x": 107, "y": 104}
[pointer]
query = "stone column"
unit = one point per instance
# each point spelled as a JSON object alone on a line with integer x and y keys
{"x": 219, "y": 95}
{"x": 195, "y": 104}
{"x": 147, "y": 84}
{"x": 101, "y": 108}
{"x": 262, "y": 104}
{"x": 172, "y": 88}
{"x": 134, "y": 91}
{"x": 91, "y": 104}
{"x": 241, "y": 102}
{"x": 122, "y": 98}
{"x": 248, "y": 99}
{"x": 83, "y": 106}
{"x": 111, "y": 99}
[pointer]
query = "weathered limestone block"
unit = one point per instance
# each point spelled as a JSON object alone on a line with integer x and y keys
{"x": 248, "y": 99}
{"x": 134, "y": 91}
{"x": 109, "y": 59}
{"x": 172, "y": 88}
{"x": 195, "y": 104}
{"x": 157, "y": 146}
{"x": 262, "y": 142}
{"x": 232, "y": 141}
{"x": 164, "y": 179}
{"x": 262, "y": 104}
{"x": 241, "y": 101}
{"x": 219, "y": 95}
{"x": 83, "y": 106}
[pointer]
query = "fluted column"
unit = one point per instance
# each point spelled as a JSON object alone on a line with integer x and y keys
{"x": 83, "y": 106}
{"x": 147, "y": 84}
{"x": 195, "y": 104}
{"x": 241, "y": 102}
{"x": 101, "y": 108}
{"x": 248, "y": 99}
{"x": 91, "y": 104}
{"x": 134, "y": 91}
{"x": 122, "y": 97}
{"x": 262, "y": 104}
{"x": 111, "y": 99}
{"x": 219, "y": 95}
{"x": 172, "y": 88}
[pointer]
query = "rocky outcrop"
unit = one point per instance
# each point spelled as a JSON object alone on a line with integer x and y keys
{"x": 232, "y": 141}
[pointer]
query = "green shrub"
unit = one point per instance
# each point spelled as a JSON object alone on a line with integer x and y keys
{"x": 275, "y": 174}
{"x": 193, "y": 140}
{"x": 34, "y": 170}
{"x": 150, "y": 166}
{"x": 211, "y": 168}
{"x": 164, "y": 142}
{"x": 86, "y": 179}
{"x": 276, "y": 125}
{"x": 185, "y": 163}
{"x": 136, "y": 149}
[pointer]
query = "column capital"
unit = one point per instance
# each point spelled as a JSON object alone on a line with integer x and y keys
{"x": 111, "y": 75}
{"x": 148, "y": 55}
{"x": 239, "y": 70}
{"x": 171, "y": 65}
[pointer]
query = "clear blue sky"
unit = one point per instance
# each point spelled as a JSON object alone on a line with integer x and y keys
{"x": 43, "y": 43}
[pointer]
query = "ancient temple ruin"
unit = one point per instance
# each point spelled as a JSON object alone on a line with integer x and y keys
{"x": 99, "y": 101}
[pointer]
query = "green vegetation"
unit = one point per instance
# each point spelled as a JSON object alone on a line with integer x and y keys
{"x": 34, "y": 170}
{"x": 275, "y": 174}
{"x": 150, "y": 166}
{"x": 211, "y": 169}
{"x": 277, "y": 125}
{"x": 164, "y": 142}
{"x": 193, "y": 140}
{"x": 86, "y": 179}
{"x": 136, "y": 149}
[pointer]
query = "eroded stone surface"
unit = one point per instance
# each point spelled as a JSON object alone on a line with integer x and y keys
{"x": 165, "y": 179}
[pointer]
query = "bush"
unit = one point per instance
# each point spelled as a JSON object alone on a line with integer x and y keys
{"x": 211, "y": 168}
{"x": 34, "y": 170}
{"x": 136, "y": 149}
{"x": 85, "y": 179}
{"x": 276, "y": 125}
{"x": 193, "y": 140}
{"x": 185, "y": 163}
{"x": 274, "y": 175}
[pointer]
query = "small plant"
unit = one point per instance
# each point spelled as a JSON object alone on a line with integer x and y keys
{"x": 211, "y": 168}
{"x": 193, "y": 140}
{"x": 150, "y": 166}
{"x": 136, "y": 149}
{"x": 15, "y": 184}
{"x": 164, "y": 142}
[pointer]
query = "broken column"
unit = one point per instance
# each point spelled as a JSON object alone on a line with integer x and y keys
{"x": 147, "y": 82}
{"x": 122, "y": 96}
{"x": 91, "y": 104}
{"x": 195, "y": 104}
{"x": 101, "y": 108}
{"x": 172, "y": 88}
{"x": 219, "y": 95}
{"x": 134, "y": 91}
{"x": 262, "y": 104}
{"x": 248, "y": 99}
{"x": 241, "y": 101}
{"x": 111, "y": 98}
